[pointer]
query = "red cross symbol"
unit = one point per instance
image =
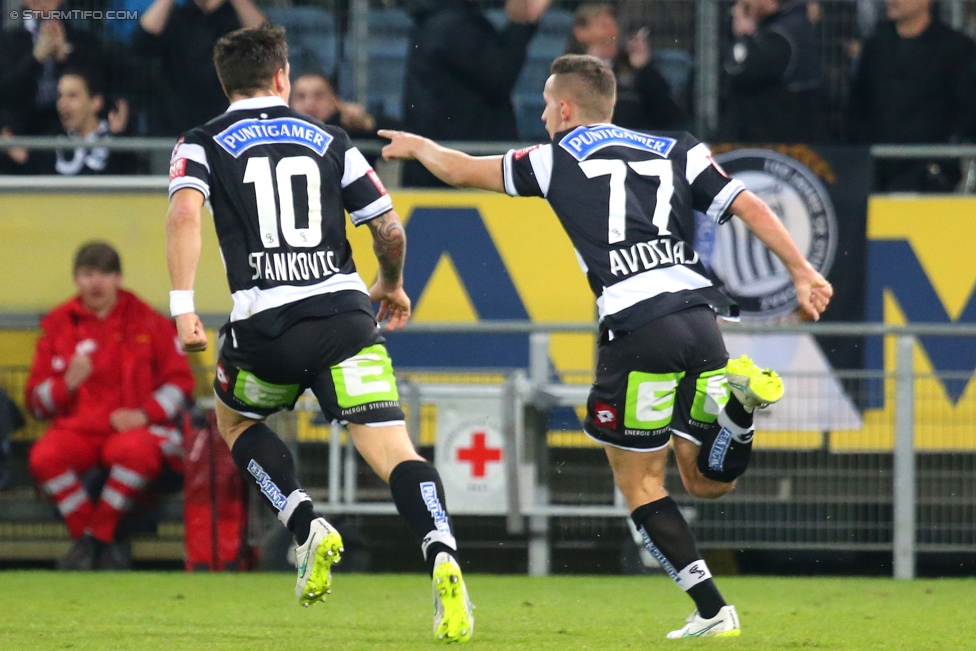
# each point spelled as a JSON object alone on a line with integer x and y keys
{"x": 478, "y": 454}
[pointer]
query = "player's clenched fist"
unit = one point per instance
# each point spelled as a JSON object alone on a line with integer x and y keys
{"x": 193, "y": 338}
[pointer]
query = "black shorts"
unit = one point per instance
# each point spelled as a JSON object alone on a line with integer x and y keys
{"x": 341, "y": 358}
{"x": 668, "y": 376}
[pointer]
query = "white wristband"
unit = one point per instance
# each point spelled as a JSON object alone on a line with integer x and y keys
{"x": 181, "y": 302}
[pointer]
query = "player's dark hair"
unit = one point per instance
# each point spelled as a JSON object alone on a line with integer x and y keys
{"x": 590, "y": 82}
{"x": 98, "y": 255}
{"x": 247, "y": 59}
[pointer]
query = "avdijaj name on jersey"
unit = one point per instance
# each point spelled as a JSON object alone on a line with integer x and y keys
{"x": 644, "y": 256}
{"x": 291, "y": 266}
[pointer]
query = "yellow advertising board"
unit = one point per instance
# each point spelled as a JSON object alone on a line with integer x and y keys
{"x": 476, "y": 256}
{"x": 921, "y": 270}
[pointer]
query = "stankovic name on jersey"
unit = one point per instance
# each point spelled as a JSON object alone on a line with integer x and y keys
{"x": 650, "y": 255}
{"x": 291, "y": 266}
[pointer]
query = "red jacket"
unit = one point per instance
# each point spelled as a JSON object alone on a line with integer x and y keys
{"x": 137, "y": 363}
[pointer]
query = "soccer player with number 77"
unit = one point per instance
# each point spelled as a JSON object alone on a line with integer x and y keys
{"x": 626, "y": 200}
{"x": 279, "y": 183}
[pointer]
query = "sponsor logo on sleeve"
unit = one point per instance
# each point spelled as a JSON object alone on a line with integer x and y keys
{"x": 375, "y": 178}
{"x": 522, "y": 153}
{"x": 176, "y": 149}
{"x": 177, "y": 168}
{"x": 717, "y": 167}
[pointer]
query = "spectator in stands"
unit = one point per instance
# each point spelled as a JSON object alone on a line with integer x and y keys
{"x": 461, "y": 71}
{"x": 182, "y": 37}
{"x": 644, "y": 99}
{"x": 916, "y": 83}
{"x": 81, "y": 104}
{"x": 33, "y": 54}
{"x": 312, "y": 93}
{"x": 109, "y": 373}
{"x": 774, "y": 73}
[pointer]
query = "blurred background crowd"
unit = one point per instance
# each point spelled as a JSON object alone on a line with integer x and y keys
{"x": 824, "y": 72}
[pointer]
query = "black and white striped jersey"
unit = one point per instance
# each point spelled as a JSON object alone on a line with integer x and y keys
{"x": 279, "y": 183}
{"x": 627, "y": 200}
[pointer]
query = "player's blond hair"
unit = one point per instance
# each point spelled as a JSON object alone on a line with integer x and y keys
{"x": 589, "y": 82}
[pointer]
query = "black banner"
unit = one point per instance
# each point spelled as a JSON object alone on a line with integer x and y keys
{"x": 821, "y": 194}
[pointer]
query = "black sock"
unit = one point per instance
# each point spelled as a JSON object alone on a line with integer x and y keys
{"x": 669, "y": 539}
{"x": 419, "y": 497}
{"x": 726, "y": 452}
{"x": 264, "y": 457}
{"x": 738, "y": 414}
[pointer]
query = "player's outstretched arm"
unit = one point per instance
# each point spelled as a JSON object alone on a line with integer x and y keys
{"x": 390, "y": 247}
{"x": 449, "y": 165}
{"x": 812, "y": 290}
{"x": 182, "y": 257}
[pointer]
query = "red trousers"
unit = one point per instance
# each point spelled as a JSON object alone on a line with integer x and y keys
{"x": 134, "y": 459}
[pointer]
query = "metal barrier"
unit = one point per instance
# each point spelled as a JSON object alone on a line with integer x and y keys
{"x": 818, "y": 498}
{"x": 160, "y": 148}
{"x": 853, "y": 491}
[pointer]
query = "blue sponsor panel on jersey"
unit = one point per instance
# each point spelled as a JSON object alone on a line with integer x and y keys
{"x": 583, "y": 141}
{"x": 241, "y": 136}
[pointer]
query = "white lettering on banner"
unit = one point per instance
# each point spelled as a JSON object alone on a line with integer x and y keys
{"x": 291, "y": 266}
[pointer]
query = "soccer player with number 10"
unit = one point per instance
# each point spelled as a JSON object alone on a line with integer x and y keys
{"x": 279, "y": 184}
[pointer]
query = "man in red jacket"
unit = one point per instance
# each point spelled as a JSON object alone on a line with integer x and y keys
{"x": 110, "y": 375}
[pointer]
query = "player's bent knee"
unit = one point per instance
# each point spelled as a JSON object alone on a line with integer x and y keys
{"x": 383, "y": 447}
{"x": 724, "y": 476}
{"x": 722, "y": 464}
{"x": 706, "y": 488}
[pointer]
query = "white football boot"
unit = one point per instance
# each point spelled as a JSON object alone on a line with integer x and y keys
{"x": 314, "y": 561}
{"x": 724, "y": 624}
{"x": 453, "y": 621}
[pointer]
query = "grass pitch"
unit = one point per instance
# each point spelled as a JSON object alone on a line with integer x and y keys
{"x": 174, "y": 611}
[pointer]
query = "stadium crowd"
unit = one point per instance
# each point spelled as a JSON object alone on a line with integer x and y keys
{"x": 905, "y": 75}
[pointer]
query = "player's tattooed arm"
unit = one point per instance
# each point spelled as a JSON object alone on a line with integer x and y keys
{"x": 390, "y": 247}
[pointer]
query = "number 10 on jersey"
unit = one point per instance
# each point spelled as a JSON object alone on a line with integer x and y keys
{"x": 258, "y": 172}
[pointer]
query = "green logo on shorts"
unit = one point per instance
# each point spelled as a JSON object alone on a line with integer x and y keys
{"x": 650, "y": 399}
{"x": 711, "y": 394}
{"x": 255, "y": 392}
{"x": 364, "y": 378}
